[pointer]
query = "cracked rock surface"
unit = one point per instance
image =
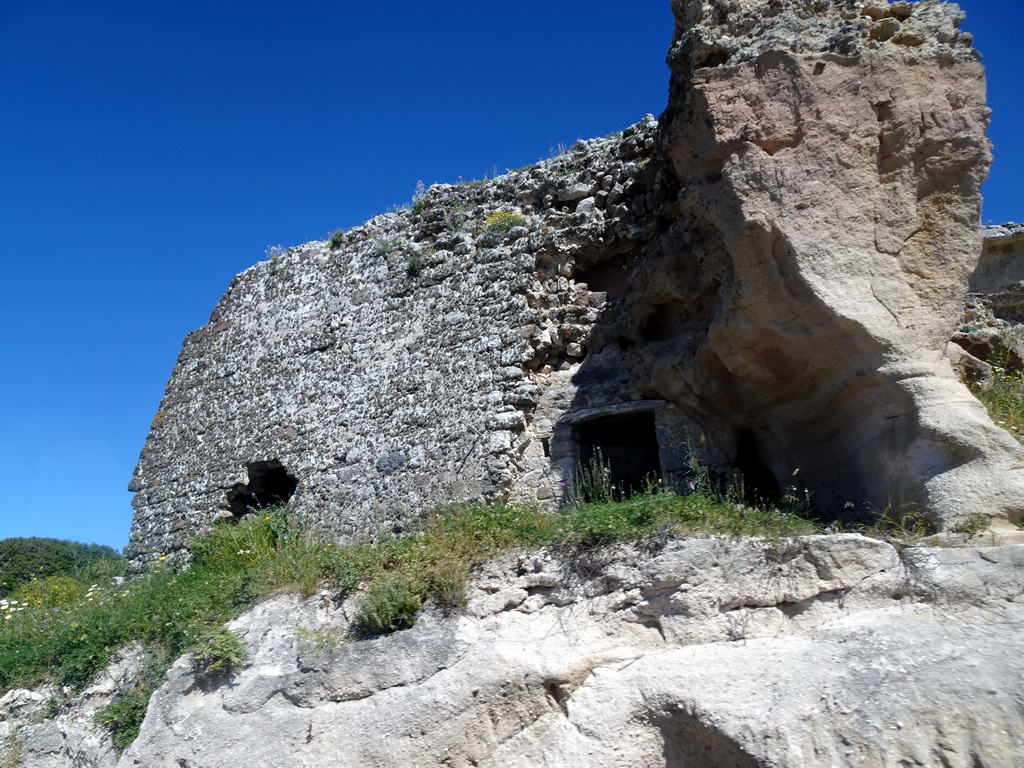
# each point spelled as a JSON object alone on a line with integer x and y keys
{"x": 826, "y": 650}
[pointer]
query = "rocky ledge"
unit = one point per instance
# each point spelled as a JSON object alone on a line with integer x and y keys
{"x": 836, "y": 650}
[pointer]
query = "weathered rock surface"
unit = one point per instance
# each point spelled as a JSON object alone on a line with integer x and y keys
{"x": 48, "y": 728}
{"x": 830, "y": 156}
{"x": 764, "y": 281}
{"x": 823, "y": 651}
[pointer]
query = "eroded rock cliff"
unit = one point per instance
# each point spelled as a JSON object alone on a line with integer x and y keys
{"x": 824, "y": 651}
{"x": 830, "y": 157}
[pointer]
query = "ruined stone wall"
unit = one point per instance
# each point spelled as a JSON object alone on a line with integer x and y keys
{"x": 763, "y": 282}
{"x": 999, "y": 278}
{"x": 425, "y": 360}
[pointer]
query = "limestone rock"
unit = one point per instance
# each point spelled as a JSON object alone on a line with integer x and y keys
{"x": 832, "y": 175}
{"x": 48, "y": 728}
{"x": 837, "y": 650}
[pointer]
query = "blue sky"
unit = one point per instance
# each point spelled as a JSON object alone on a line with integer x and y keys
{"x": 150, "y": 151}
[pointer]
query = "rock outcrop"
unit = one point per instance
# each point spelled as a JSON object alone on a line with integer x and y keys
{"x": 764, "y": 282}
{"x": 823, "y": 651}
{"x": 50, "y": 728}
{"x": 830, "y": 157}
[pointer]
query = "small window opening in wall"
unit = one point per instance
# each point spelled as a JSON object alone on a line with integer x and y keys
{"x": 627, "y": 444}
{"x": 759, "y": 482}
{"x": 609, "y": 276}
{"x": 269, "y": 485}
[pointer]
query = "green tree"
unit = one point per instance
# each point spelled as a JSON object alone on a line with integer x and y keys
{"x": 24, "y": 559}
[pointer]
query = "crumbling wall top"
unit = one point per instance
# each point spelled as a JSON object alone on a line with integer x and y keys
{"x": 715, "y": 32}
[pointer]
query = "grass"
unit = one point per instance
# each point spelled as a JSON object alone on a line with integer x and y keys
{"x": 169, "y": 612}
{"x": 414, "y": 265}
{"x": 1004, "y": 399}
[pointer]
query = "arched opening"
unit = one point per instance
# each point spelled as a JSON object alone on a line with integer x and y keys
{"x": 269, "y": 485}
{"x": 690, "y": 743}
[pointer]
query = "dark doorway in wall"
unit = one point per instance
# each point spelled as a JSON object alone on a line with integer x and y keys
{"x": 759, "y": 483}
{"x": 609, "y": 276}
{"x": 626, "y": 443}
{"x": 269, "y": 485}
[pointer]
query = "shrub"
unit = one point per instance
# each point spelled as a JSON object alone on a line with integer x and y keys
{"x": 275, "y": 252}
{"x": 414, "y": 265}
{"x": 336, "y": 238}
{"x": 124, "y": 718}
{"x": 419, "y": 199}
{"x": 389, "y": 605}
{"x": 497, "y": 225}
{"x": 218, "y": 653}
{"x": 53, "y": 592}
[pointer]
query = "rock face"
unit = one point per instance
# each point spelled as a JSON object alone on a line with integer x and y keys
{"x": 764, "y": 282}
{"x": 820, "y": 651}
{"x": 830, "y": 155}
{"x": 824, "y": 651}
{"x": 47, "y": 729}
{"x": 991, "y": 331}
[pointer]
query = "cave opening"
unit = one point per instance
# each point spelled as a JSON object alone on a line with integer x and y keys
{"x": 760, "y": 486}
{"x": 626, "y": 444}
{"x": 662, "y": 325}
{"x": 609, "y": 276}
{"x": 270, "y": 485}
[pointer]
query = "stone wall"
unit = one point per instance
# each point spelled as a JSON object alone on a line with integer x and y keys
{"x": 425, "y": 360}
{"x": 763, "y": 283}
{"x": 999, "y": 278}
